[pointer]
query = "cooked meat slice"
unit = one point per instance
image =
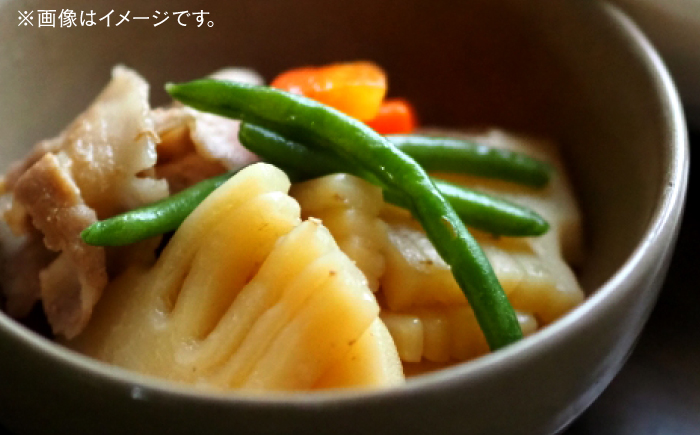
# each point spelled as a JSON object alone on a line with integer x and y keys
{"x": 104, "y": 164}
{"x": 15, "y": 215}
{"x": 99, "y": 166}
{"x": 111, "y": 144}
{"x": 16, "y": 218}
{"x": 238, "y": 75}
{"x": 18, "y": 168}
{"x": 188, "y": 170}
{"x": 171, "y": 125}
{"x": 184, "y": 131}
{"x": 110, "y": 147}
{"x": 195, "y": 146}
{"x": 169, "y": 119}
{"x": 20, "y": 276}
{"x": 178, "y": 160}
{"x": 200, "y": 139}
{"x": 67, "y": 303}
{"x": 216, "y": 138}
{"x": 21, "y": 260}
{"x": 73, "y": 283}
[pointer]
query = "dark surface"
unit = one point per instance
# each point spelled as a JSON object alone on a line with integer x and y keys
{"x": 658, "y": 390}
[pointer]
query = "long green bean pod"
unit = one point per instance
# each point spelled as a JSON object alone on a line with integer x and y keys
{"x": 152, "y": 220}
{"x": 479, "y": 210}
{"x": 303, "y": 119}
{"x": 485, "y": 212}
{"x": 468, "y": 157}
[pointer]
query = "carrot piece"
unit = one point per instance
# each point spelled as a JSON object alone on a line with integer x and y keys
{"x": 396, "y": 116}
{"x": 355, "y": 88}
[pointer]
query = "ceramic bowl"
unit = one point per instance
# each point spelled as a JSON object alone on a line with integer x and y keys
{"x": 578, "y": 72}
{"x": 673, "y": 27}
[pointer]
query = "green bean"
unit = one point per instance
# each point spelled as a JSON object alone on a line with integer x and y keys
{"x": 152, "y": 220}
{"x": 303, "y": 119}
{"x": 285, "y": 153}
{"x": 479, "y": 210}
{"x": 463, "y": 156}
{"x": 485, "y": 212}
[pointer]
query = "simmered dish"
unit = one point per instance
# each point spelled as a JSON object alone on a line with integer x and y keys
{"x": 285, "y": 237}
